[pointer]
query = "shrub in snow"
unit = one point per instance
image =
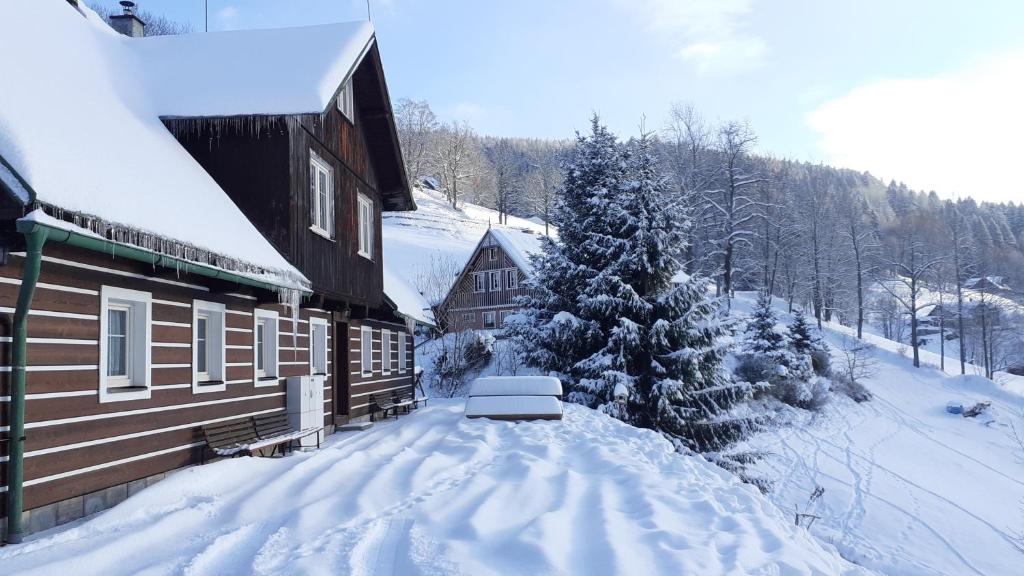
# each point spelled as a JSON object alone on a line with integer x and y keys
{"x": 606, "y": 317}
{"x": 809, "y": 394}
{"x": 461, "y": 357}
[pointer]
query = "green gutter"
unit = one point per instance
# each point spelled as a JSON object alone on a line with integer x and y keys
{"x": 34, "y": 241}
{"x": 116, "y": 249}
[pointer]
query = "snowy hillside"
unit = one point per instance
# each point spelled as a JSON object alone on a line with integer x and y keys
{"x": 909, "y": 488}
{"x": 435, "y": 493}
{"x": 412, "y": 240}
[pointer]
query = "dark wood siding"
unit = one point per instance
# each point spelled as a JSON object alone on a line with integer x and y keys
{"x": 464, "y": 307}
{"x": 69, "y": 430}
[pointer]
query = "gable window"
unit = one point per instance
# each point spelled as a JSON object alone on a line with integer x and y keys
{"x": 265, "y": 336}
{"x": 495, "y": 280}
{"x": 366, "y": 350}
{"x": 317, "y": 346}
{"x": 478, "y": 282}
{"x": 346, "y": 102}
{"x": 365, "y": 226}
{"x": 489, "y": 320}
{"x": 385, "y": 352}
{"x": 403, "y": 352}
{"x": 207, "y": 346}
{"x": 511, "y": 278}
{"x": 321, "y": 189}
{"x": 492, "y": 254}
{"x": 125, "y": 341}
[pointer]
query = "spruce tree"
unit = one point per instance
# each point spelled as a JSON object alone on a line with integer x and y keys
{"x": 606, "y": 315}
{"x": 801, "y": 336}
{"x": 761, "y": 337}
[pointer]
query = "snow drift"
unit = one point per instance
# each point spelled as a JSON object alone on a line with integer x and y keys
{"x": 434, "y": 493}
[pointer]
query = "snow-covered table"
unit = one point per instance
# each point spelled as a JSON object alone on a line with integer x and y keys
{"x": 515, "y": 398}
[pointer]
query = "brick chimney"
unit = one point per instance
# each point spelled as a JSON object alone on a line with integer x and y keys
{"x": 128, "y": 23}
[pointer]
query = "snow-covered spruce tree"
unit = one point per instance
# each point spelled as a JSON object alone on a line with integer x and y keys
{"x": 627, "y": 340}
{"x": 761, "y": 338}
{"x": 806, "y": 344}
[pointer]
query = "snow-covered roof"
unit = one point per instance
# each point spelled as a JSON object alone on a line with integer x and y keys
{"x": 519, "y": 245}
{"x": 273, "y": 71}
{"x": 78, "y": 124}
{"x": 409, "y": 302}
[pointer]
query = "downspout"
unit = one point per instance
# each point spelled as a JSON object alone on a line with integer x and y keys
{"x": 34, "y": 240}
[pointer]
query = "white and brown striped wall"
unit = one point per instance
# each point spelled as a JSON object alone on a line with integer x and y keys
{"x": 77, "y": 444}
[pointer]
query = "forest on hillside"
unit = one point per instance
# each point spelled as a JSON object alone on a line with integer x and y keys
{"x": 842, "y": 244}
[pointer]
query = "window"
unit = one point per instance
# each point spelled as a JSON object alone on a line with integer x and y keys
{"x": 478, "y": 282}
{"x": 385, "y": 352}
{"x": 366, "y": 350}
{"x": 346, "y": 102}
{"x": 403, "y": 352}
{"x": 208, "y": 370}
{"x": 492, "y": 254}
{"x": 489, "y": 320}
{"x": 469, "y": 318}
{"x": 511, "y": 278}
{"x": 504, "y": 315}
{"x": 265, "y": 342}
{"x": 366, "y": 226}
{"x": 495, "y": 280}
{"x": 317, "y": 346}
{"x": 125, "y": 341}
{"x": 321, "y": 189}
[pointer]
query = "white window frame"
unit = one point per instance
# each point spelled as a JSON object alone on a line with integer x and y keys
{"x": 365, "y": 360}
{"x": 138, "y": 383}
{"x": 366, "y": 228}
{"x": 345, "y": 101}
{"x": 511, "y": 278}
{"x": 385, "y": 352}
{"x": 403, "y": 352}
{"x": 315, "y": 321}
{"x": 479, "y": 282}
{"x": 215, "y": 377}
{"x": 271, "y": 340}
{"x": 318, "y": 165}
{"x": 492, "y": 254}
{"x": 494, "y": 320}
{"x": 469, "y": 317}
{"x": 493, "y": 286}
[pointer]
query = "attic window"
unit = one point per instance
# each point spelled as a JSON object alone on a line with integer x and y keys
{"x": 492, "y": 254}
{"x": 346, "y": 102}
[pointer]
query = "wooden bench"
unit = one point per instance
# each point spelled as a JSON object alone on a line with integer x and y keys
{"x": 383, "y": 403}
{"x": 394, "y": 401}
{"x": 243, "y": 436}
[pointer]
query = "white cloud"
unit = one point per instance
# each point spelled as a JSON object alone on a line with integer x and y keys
{"x": 958, "y": 133}
{"x": 226, "y": 16}
{"x": 712, "y": 34}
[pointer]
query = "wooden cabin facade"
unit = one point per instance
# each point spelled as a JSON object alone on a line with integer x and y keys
{"x": 485, "y": 292}
{"x": 136, "y": 340}
{"x": 315, "y": 185}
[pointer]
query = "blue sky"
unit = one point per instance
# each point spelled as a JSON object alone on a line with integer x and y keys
{"x": 928, "y": 92}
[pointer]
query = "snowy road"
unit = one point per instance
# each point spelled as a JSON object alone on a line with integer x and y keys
{"x": 435, "y": 493}
{"x": 909, "y": 488}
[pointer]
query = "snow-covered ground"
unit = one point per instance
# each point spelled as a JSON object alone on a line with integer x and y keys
{"x": 909, "y": 488}
{"x": 435, "y": 493}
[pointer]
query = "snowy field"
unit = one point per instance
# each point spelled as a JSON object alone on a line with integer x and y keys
{"x": 435, "y": 493}
{"x": 909, "y": 488}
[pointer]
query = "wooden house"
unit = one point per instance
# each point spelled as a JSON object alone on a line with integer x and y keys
{"x": 484, "y": 292}
{"x": 149, "y": 288}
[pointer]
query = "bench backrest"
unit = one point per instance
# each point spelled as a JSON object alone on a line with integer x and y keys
{"x": 269, "y": 425}
{"x": 403, "y": 394}
{"x": 229, "y": 433}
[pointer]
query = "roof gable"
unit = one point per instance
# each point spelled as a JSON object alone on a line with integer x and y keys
{"x": 77, "y": 125}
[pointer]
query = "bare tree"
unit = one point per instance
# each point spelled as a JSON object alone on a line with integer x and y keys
{"x": 417, "y": 127}
{"x": 456, "y": 158}
{"x": 912, "y": 264}
{"x": 860, "y": 230}
{"x": 959, "y": 251}
{"x": 546, "y": 178}
{"x": 509, "y": 167}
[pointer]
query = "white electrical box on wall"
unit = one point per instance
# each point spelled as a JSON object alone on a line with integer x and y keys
{"x": 306, "y": 406}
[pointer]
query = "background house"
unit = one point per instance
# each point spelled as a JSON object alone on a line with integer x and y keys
{"x": 485, "y": 291}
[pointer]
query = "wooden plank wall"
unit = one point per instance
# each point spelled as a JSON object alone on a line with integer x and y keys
{"x": 463, "y": 299}
{"x": 74, "y": 443}
{"x": 362, "y": 386}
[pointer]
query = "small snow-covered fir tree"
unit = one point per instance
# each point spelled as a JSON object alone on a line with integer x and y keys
{"x": 807, "y": 346}
{"x": 606, "y": 315}
{"x": 761, "y": 338}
